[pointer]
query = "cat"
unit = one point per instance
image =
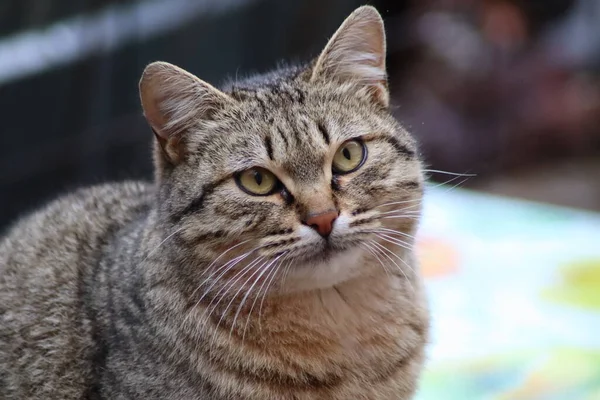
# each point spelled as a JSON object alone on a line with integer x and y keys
{"x": 271, "y": 258}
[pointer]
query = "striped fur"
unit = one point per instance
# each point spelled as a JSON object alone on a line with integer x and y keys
{"x": 190, "y": 288}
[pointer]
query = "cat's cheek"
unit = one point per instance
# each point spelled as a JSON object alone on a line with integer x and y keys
{"x": 307, "y": 234}
{"x": 341, "y": 224}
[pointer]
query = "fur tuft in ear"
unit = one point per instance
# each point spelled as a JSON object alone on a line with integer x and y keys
{"x": 174, "y": 101}
{"x": 356, "y": 52}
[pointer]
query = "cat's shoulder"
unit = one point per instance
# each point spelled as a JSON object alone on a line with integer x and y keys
{"x": 85, "y": 210}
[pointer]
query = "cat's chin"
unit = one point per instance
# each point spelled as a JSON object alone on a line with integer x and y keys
{"x": 320, "y": 257}
{"x": 324, "y": 269}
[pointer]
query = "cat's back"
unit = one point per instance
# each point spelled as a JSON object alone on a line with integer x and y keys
{"x": 45, "y": 336}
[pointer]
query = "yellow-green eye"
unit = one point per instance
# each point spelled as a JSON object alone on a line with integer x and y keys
{"x": 257, "y": 181}
{"x": 349, "y": 157}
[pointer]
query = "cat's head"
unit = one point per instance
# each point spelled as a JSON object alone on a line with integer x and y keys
{"x": 303, "y": 170}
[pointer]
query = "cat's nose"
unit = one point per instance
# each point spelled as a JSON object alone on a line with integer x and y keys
{"x": 322, "y": 222}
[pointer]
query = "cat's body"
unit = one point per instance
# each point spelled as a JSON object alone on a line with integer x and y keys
{"x": 195, "y": 288}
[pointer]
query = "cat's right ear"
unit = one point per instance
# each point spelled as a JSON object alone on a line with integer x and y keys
{"x": 174, "y": 101}
{"x": 356, "y": 53}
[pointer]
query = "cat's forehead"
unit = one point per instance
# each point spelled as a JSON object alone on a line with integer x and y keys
{"x": 295, "y": 136}
{"x": 299, "y": 113}
{"x": 292, "y": 127}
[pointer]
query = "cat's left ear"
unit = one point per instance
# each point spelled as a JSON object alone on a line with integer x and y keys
{"x": 356, "y": 52}
{"x": 174, "y": 101}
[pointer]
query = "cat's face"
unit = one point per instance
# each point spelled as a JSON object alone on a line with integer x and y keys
{"x": 301, "y": 173}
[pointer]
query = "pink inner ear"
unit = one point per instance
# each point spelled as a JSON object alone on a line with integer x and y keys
{"x": 157, "y": 120}
{"x": 151, "y": 101}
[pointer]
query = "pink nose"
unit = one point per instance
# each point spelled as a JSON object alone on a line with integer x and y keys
{"x": 322, "y": 223}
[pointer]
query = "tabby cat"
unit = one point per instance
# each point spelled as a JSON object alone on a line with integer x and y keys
{"x": 270, "y": 259}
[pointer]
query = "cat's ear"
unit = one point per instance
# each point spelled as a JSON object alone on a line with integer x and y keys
{"x": 356, "y": 52}
{"x": 175, "y": 100}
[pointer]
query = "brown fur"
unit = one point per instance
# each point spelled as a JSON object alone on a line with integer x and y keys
{"x": 192, "y": 288}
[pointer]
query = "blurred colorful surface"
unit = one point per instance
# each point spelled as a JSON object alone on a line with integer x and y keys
{"x": 514, "y": 290}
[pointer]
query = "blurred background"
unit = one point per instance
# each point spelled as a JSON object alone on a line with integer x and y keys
{"x": 505, "y": 93}
{"x": 507, "y": 90}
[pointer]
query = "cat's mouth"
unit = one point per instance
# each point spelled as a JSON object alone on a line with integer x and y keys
{"x": 321, "y": 254}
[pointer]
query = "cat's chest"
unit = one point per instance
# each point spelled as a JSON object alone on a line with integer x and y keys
{"x": 340, "y": 347}
{"x": 341, "y": 329}
{"x": 334, "y": 344}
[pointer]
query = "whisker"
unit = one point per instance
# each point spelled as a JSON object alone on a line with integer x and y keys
{"x": 393, "y": 231}
{"x": 406, "y": 210}
{"x": 442, "y": 183}
{"x": 448, "y": 173}
{"x": 451, "y": 180}
{"x": 414, "y": 217}
{"x": 395, "y": 241}
{"x": 398, "y": 202}
{"x": 419, "y": 200}
{"x": 371, "y": 250}
{"x": 384, "y": 249}
{"x": 388, "y": 235}
{"x": 458, "y": 184}
{"x": 235, "y": 278}
{"x": 225, "y": 252}
{"x": 269, "y": 278}
{"x": 224, "y": 268}
{"x": 232, "y": 282}
{"x": 286, "y": 271}
{"x": 161, "y": 243}
{"x": 240, "y": 307}
{"x": 236, "y": 261}
{"x": 267, "y": 290}
{"x": 397, "y": 256}
{"x": 264, "y": 285}
{"x": 228, "y": 266}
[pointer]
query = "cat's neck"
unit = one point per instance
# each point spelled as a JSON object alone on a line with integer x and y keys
{"x": 346, "y": 308}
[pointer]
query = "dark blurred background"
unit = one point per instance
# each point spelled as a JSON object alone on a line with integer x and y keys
{"x": 507, "y": 90}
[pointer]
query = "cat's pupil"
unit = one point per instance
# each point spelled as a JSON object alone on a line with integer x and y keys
{"x": 258, "y": 178}
{"x": 346, "y": 153}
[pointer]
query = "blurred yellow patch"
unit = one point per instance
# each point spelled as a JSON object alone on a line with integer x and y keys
{"x": 579, "y": 286}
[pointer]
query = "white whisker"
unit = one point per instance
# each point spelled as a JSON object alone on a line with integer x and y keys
{"x": 395, "y": 241}
{"x": 398, "y": 257}
{"x": 286, "y": 271}
{"x": 457, "y": 185}
{"x": 228, "y": 266}
{"x": 232, "y": 283}
{"x": 398, "y": 202}
{"x": 224, "y": 269}
{"x": 248, "y": 291}
{"x": 372, "y": 250}
{"x": 269, "y": 278}
{"x": 416, "y": 218}
{"x": 393, "y": 231}
{"x": 406, "y": 210}
{"x": 161, "y": 243}
{"x": 384, "y": 249}
{"x": 223, "y": 253}
{"x": 233, "y": 262}
{"x": 448, "y": 173}
{"x": 228, "y": 285}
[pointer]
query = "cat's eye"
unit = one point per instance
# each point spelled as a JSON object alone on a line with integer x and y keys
{"x": 349, "y": 157}
{"x": 257, "y": 181}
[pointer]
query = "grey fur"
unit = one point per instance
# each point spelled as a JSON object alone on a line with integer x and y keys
{"x": 116, "y": 291}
